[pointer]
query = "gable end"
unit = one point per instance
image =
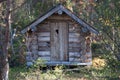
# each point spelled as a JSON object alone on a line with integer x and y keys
{"x": 61, "y": 9}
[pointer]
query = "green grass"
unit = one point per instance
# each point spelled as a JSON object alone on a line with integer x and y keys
{"x": 111, "y": 71}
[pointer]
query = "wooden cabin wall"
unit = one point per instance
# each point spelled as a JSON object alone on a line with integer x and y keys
{"x": 75, "y": 42}
{"x": 78, "y": 42}
{"x": 31, "y": 42}
{"x": 43, "y": 33}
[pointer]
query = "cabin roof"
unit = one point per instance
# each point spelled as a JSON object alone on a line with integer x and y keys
{"x": 59, "y": 7}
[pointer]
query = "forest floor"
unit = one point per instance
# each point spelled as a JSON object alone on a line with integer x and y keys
{"x": 103, "y": 68}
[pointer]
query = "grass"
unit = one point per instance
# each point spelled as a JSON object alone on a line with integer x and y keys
{"x": 110, "y": 71}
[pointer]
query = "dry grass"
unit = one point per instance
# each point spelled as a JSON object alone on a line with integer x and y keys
{"x": 99, "y": 63}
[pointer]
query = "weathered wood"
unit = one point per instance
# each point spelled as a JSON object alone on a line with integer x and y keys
{"x": 73, "y": 54}
{"x": 59, "y": 38}
{"x": 55, "y": 47}
{"x": 69, "y": 13}
{"x": 74, "y": 28}
{"x": 44, "y": 53}
{"x": 74, "y": 34}
{"x": 43, "y": 28}
{"x": 59, "y": 17}
{"x": 74, "y": 44}
{"x": 34, "y": 51}
{"x": 63, "y": 36}
{"x": 74, "y": 49}
{"x": 44, "y": 48}
{"x": 45, "y": 58}
{"x": 44, "y": 43}
{"x": 75, "y": 59}
{"x": 43, "y": 38}
{"x": 74, "y": 39}
{"x": 43, "y": 34}
{"x": 53, "y": 63}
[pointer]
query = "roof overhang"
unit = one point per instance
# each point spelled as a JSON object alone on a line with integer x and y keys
{"x": 63, "y": 9}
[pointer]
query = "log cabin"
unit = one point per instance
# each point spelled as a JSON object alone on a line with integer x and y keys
{"x": 60, "y": 38}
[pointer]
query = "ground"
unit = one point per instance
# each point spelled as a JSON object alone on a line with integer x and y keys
{"x": 104, "y": 66}
{"x": 102, "y": 69}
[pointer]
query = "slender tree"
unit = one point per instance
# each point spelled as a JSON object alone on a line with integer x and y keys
{"x": 4, "y": 65}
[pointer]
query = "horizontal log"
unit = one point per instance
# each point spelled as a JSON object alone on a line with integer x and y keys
{"x": 44, "y": 43}
{"x": 34, "y": 51}
{"x": 43, "y": 34}
{"x": 43, "y": 53}
{"x": 74, "y": 44}
{"x": 74, "y": 30}
{"x": 75, "y": 59}
{"x": 77, "y": 40}
{"x": 44, "y": 48}
{"x": 31, "y": 38}
{"x": 74, "y": 54}
{"x": 43, "y": 38}
{"x": 74, "y": 34}
{"x": 54, "y": 63}
{"x": 74, "y": 39}
{"x": 45, "y": 58}
{"x": 74, "y": 49}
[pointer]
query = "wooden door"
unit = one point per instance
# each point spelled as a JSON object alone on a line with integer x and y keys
{"x": 59, "y": 41}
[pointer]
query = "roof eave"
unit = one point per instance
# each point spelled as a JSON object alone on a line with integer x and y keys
{"x": 80, "y": 21}
{"x": 69, "y": 13}
{"x": 41, "y": 19}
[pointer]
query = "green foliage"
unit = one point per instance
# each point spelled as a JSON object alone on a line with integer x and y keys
{"x": 14, "y": 61}
{"x": 39, "y": 63}
{"x": 22, "y": 73}
{"x": 96, "y": 46}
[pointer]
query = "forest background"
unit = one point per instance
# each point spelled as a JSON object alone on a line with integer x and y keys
{"x": 104, "y": 15}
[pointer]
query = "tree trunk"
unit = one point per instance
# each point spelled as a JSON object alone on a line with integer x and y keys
{"x": 4, "y": 65}
{"x": 4, "y": 69}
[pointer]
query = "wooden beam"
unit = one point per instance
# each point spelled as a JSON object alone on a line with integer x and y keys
{"x": 53, "y": 63}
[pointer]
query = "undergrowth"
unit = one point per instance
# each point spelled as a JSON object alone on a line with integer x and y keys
{"x": 105, "y": 67}
{"x": 110, "y": 71}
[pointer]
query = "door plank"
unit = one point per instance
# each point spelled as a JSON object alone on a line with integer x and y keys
{"x": 54, "y": 42}
{"x": 63, "y": 29}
